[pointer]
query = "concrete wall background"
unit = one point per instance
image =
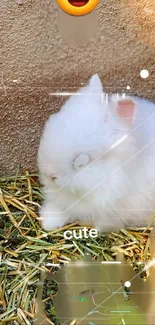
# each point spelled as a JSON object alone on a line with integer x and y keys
{"x": 36, "y": 60}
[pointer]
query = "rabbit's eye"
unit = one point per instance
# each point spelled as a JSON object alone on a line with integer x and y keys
{"x": 80, "y": 161}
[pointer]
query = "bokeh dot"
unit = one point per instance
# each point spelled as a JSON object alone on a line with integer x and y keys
{"x": 127, "y": 284}
{"x": 144, "y": 73}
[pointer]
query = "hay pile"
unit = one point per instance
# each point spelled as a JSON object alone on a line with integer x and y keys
{"x": 26, "y": 250}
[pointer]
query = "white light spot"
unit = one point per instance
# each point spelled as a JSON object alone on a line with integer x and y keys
{"x": 127, "y": 284}
{"x": 111, "y": 262}
{"x": 106, "y": 98}
{"x": 150, "y": 264}
{"x": 45, "y": 235}
{"x": 128, "y": 87}
{"x": 119, "y": 141}
{"x": 144, "y": 73}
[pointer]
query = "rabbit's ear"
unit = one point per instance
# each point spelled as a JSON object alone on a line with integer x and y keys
{"x": 95, "y": 84}
{"x": 126, "y": 109}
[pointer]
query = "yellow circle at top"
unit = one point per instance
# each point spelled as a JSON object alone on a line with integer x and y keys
{"x": 75, "y": 10}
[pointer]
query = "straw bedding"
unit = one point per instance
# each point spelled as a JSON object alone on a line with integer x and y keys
{"x": 26, "y": 250}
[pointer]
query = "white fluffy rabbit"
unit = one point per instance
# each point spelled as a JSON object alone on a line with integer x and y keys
{"x": 97, "y": 161}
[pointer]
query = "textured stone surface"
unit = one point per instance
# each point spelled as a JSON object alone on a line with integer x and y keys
{"x": 35, "y": 60}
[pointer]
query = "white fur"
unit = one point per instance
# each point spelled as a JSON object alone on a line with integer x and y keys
{"x": 111, "y": 188}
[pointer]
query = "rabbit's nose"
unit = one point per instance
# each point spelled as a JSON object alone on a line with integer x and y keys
{"x": 81, "y": 161}
{"x": 53, "y": 177}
